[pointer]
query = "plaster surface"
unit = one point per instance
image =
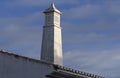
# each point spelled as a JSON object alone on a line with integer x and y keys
{"x": 13, "y": 66}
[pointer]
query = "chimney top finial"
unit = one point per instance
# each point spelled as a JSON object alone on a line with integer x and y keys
{"x": 52, "y": 8}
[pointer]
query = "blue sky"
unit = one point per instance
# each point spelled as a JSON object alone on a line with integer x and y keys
{"x": 91, "y": 32}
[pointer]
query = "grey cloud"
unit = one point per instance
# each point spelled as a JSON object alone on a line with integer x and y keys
{"x": 101, "y": 31}
{"x": 32, "y": 3}
{"x": 25, "y": 41}
{"x": 21, "y": 20}
{"x": 19, "y": 34}
{"x": 92, "y": 37}
{"x": 90, "y": 11}
{"x": 99, "y": 25}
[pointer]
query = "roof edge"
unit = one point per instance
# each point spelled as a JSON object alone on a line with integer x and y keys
{"x": 23, "y": 57}
{"x": 62, "y": 68}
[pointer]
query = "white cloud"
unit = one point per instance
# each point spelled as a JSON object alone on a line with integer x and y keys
{"x": 105, "y": 62}
{"x": 81, "y": 12}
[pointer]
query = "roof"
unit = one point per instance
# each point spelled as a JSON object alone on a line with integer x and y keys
{"x": 59, "y": 70}
{"x": 23, "y": 57}
{"x": 76, "y": 73}
{"x": 52, "y": 9}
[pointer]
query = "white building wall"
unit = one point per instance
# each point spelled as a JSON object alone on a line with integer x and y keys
{"x": 17, "y": 67}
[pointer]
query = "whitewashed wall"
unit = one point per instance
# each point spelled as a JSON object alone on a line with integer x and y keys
{"x": 12, "y": 66}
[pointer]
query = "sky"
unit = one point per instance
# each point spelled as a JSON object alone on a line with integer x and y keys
{"x": 90, "y": 28}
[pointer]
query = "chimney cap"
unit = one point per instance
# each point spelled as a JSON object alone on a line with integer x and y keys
{"x": 52, "y": 9}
